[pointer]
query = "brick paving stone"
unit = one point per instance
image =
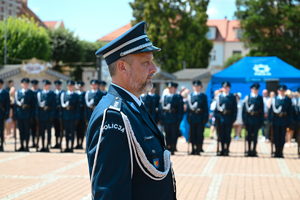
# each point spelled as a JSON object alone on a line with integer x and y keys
{"x": 65, "y": 176}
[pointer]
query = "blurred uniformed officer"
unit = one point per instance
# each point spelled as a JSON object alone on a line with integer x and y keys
{"x": 151, "y": 102}
{"x": 70, "y": 109}
{"x": 102, "y": 87}
{"x": 57, "y": 120}
{"x": 198, "y": 116}
{"x": 24, "y": 112}
{"x": 33, "y": 124}
{"x": 281, "y": 116}
{"x": 4, "y": 112}
{"x": 253, "y": 117}
{"x": 121, "y": 124}
{"x": 225, "y": 113}
{"x": 92, "y": 98}
{"x": 81, "y": 125}
{"x": 46, "y": 105}
{"x": 172, "y": 105}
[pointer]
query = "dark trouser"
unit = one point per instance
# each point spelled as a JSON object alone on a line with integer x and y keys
{"x": 197, "y": 130}
{"x": 69, "y": 128}
{"x": 279, "y": 135}
{"x": 225, "y": 135}
{"x": 23, "y": 125}
{"x": 56, "y": 124}
{"x": 1, "y": 133}
{"x": 171, "y": 135}
{"x": 45, "y": 126}
{"x": 80, "y": 131}
{"x": 252, "y": 131}
{"x": 33, "y": 130}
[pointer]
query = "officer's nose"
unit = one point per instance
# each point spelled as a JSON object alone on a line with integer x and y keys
{"x": 153, "y": 69}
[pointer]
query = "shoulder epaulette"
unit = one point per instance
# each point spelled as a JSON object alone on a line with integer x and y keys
{"x": 116, "y": 104}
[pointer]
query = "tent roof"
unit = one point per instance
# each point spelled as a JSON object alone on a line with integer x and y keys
{"x": 258, "y": 69}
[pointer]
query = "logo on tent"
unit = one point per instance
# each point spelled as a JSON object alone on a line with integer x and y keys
{"x": 261, "y": 70}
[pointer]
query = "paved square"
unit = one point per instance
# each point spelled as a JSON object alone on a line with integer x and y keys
{"x": 65, "y": 176}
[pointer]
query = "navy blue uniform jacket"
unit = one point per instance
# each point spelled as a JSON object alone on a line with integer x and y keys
{"x": 258, "y": 107}
{"x": 153, "y": 106}
{"x": 286, "y": 108}
{"x": 202, "y": 104}
{"x": 230, "y": 105}
{"x": 30, "y": 101}
{"x": 72, "y": 114}
{"x": 58, "y": 106}
{"x": 81, "y": 104}
{"x": 112, "y": 179}
{"x": 97, "y": 96}
{"x": 46, "y": 115}
{"x": 176, "y": 102}
{"x": 4, "y": 104}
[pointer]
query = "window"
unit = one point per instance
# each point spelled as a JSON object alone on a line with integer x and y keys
{"x": 213, "y": 55}
{"x": 236, "y": 52}
{"x": 211, "y": 34}
{"x": 238, "y": 33}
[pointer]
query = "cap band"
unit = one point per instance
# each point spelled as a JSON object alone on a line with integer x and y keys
{"x": 124, "y": 44}
{"x": 136, "y": 49}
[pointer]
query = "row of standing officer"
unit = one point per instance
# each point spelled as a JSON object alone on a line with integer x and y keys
{"x": 282, "y": 114}
{"x": 65, "y": 110}
{"x": 169, "y": 110}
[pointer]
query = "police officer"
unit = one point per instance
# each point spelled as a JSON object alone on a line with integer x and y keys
{"x": 281, "y": 116}
{"x": 133, "y": 160}
{"x": 151, "y": 102}
{"x": 80, "y": 128}
{"x": 172, "y": 105}
{"x": 46, "y": 106}
{"x": 102, "y": 87}
{"x": 198, "y": 116}
{"x": 33, "y": 124}
{"x": 24, "y": 112}
{"x": 70, "y": 110}
{"x": 4, "y": 112}
{"x": 57, "y": 120}
{"x": 253, "y": 117}
{"x": 92, "y": 98}
{"x": 225, "y": 114}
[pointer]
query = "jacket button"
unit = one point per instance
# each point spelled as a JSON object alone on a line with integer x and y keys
{"x": 153, "y": 151}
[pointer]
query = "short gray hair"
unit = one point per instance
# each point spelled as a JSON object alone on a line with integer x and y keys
{"x": 113, "y": 66}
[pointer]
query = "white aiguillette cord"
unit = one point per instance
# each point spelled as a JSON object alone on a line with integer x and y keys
{"x": 138, "y": 153}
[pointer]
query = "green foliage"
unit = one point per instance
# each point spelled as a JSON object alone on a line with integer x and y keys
{"x": 272, "y": 28}
{"x": 65, "y": 46}
{"x": 178, "y": 28}
{"x": 233, "y": 59}
{"x": 25, "y": 40}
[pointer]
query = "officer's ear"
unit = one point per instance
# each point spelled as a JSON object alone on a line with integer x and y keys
{"x": 121, "y": 65}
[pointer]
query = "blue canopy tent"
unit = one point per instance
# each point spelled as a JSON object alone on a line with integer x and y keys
{"x": 249, "y": 70}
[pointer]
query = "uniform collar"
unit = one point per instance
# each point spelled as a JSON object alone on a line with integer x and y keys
{"x": 280, "y": 97}
{"x": 196, "y": 93}
{"x": 69, "y": 92}
{"x": 137, "y": 101}
{"x": 94, "y": 91}
{"x": 0, "y": 90}
{"x": 224, "y": 94}
{"x": 57, "y": 91}
{"x": 151, "y": 94}
{"x": 23, "y": 90}
{"x": 253, "y": 95}
{"x": 46, "y": 91}
{"x": 79, "y": 92}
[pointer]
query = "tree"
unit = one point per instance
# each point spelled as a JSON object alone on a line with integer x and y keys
{"x": 25, "y": 40}
{"x": 272, "y": 28}
{"x": 233, "y": 59}
{"x": 65, "y": 47}
{"x": 179, "y": 28}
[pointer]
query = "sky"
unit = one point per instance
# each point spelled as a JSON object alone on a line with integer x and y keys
{"x": 93, "y": 19}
